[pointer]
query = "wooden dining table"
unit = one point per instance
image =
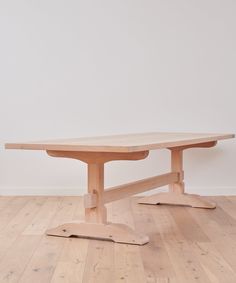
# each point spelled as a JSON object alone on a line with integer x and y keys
{"x": 96, "y": 151}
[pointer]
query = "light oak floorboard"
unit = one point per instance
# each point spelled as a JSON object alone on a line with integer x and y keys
{"x": 186, "y": 266}
{"x": 43, "y": 218}
{"x": 11, "y": 209}
{"x": 186, "y": 244}
{"x": 127, "y": 258}
{"x": 71, "y": 263}
{"x": 18, "y": 255}
{"x": 99, "y": 260}
{"x": 156, "y": 261}
{"x": 18, "y": 223}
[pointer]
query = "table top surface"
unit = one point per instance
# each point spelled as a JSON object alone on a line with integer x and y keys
{"x": 121, "y": 143}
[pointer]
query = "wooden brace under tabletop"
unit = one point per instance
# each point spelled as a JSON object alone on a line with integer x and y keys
{"x": 176, "y": 194}
{"x": 97, "y": 151}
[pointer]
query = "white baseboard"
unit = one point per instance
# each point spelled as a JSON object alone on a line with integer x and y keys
{"x": 74, "y": 191}
{"x": 212, "y": 191}
{"x": 42, "y": 191}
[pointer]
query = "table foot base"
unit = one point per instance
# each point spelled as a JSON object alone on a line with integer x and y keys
{"x": 115, "y": 232}
{"x": 178, "y": 199}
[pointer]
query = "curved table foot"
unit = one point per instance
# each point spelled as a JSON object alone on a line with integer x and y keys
{"x": 116, "y": 232}
{"x": 178, "y": 199}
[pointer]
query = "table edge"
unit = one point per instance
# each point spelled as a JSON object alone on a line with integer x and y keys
{"x": 102, "y": 148}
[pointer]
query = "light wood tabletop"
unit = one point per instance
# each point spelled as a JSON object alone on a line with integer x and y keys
{"x": 122, "y": 143}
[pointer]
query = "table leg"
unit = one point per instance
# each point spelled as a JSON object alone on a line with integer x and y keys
{"x": 96, "y": 214}
{"x": 176, "y": 194}
{"x": 96, "y": 225}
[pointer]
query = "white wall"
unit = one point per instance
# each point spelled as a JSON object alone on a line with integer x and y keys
{"x": 82, "y": 68}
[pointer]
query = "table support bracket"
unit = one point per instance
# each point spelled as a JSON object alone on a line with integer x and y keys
{"x": 176, "y": 194}
{"x": 96, "y": 225}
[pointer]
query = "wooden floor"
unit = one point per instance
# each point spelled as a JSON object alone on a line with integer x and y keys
{"x": 186, "y": 244}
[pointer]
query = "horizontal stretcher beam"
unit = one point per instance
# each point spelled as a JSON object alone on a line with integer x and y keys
{"x": 129, "y": 189}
